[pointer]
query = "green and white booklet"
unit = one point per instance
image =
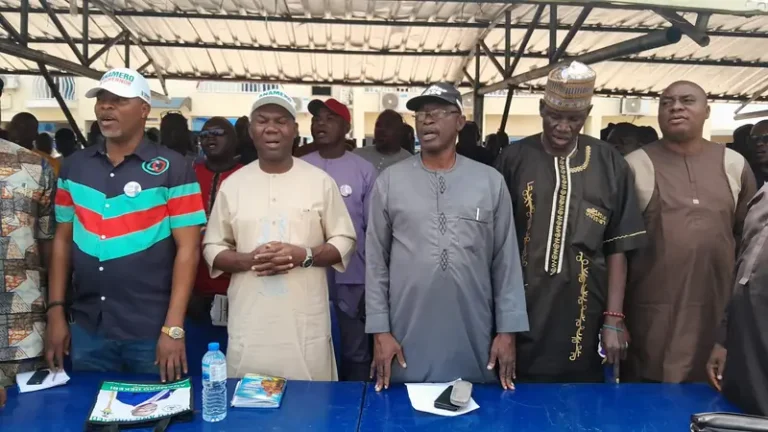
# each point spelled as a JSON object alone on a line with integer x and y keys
{"x": 124, "y": 404}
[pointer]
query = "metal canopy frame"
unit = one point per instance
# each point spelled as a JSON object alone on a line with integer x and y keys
{"x": 556, "y": 54}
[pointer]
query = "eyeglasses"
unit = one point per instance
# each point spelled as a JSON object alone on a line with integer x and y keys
{"x": 760, "y": 139}
{"x": 436, "y": 114}
{"x": 212, "y": 133}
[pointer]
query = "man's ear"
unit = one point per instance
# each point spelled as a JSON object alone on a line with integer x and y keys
{"x": 709, "y": 111}
{"x": 461, "y": 122}
{"x": 145, "y": 109}
{"x": 347, "y": 128}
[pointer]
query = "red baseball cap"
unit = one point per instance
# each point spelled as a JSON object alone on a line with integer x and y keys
{"x": 333, "y": 105}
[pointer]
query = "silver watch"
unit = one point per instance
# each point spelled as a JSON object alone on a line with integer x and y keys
{"x": 309, "y": 260}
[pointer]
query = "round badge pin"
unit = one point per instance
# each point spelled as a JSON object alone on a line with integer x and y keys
{"x": 346, "y": 190}
{"x": 132, "y": 189}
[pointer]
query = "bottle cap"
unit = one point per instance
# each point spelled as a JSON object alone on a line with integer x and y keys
{"x": 213, "y": 346}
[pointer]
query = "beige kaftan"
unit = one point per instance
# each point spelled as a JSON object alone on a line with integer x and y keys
{"x": 280, "y": 325}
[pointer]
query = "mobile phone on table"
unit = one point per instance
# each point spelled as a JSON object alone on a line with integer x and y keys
{"x": 38, "y": 377}
{"x": 444, "y": 400}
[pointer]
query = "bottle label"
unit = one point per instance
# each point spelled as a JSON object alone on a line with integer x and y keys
{"x": 215, "y": 372}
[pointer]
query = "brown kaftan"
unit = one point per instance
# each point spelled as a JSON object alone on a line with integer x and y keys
{"x": 678, "y": 286}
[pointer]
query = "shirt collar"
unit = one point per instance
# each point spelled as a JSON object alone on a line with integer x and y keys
{"x": 146, "y": 151}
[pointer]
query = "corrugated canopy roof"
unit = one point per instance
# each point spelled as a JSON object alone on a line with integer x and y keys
{"x": 402, "y": 43}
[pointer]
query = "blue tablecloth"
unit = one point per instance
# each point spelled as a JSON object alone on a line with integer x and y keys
{"x": 552, "y": 407}
{"x": 315, "y": 406}
{"x": 342, "y": 407}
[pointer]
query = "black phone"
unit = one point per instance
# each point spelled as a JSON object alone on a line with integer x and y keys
{"x": 38, "y": 377}
{"x": 444, "y": 400}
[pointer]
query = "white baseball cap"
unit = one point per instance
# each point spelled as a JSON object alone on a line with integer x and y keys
{"x": 275, "y": 97}
{"x": 125, "y": 83}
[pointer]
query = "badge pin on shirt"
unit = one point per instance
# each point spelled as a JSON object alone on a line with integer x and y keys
{"x": 346, "y": 190}
{"x": 132, "y": 189}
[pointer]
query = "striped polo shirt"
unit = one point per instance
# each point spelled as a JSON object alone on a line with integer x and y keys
{"x": 123, "y": 250}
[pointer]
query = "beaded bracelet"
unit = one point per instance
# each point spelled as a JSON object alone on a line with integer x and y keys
{"x": 614, "y": 314}
{"x": 606, "y": 326}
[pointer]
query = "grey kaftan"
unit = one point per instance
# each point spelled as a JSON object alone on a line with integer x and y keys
{"x": 443, "y": 268}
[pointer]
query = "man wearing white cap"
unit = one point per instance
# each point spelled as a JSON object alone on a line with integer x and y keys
{"x": 129, "y": 214}
{"x": 576, "y": 214}
{"x": 276, "y": 226}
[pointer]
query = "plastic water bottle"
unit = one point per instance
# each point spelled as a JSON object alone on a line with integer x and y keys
{"x": 214, "y": 384}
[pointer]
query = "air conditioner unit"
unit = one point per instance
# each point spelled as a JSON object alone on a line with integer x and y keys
{"x": 301, "y": 104}
{"x": 635, "y": 107}
{"x": 394, "y": 101}
{"x": 11, "y": 81}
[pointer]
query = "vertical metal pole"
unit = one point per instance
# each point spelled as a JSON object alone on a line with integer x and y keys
{"x": 508, "y": 66}
{"x": 508, "y": 41}
{"x": 86, "y": 21}
{"x": 477, "y": 99}
{"x": 62, "y": 104}
{"x": 552, "y": 33}
{"x": 127, "y": 51}
{"x": 24, "y": 22}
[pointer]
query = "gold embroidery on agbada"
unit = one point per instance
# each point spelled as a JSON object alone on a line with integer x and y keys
{"x": 562, "y": 200}
{"x": 528, "y": 201}
{"x": 597, "y": 216}
{"x": 587, "y": 157}
{"x": 583, "y": 276}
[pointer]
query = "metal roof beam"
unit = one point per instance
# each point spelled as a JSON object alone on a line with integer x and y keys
{"x": 529, "y": 89}
{"x": 110, "y": 43}
{"x": 695, "y": 32}
{"x": 380, "y": 22}
{"x": 56, "y": 22}
{"x": 526, "y": 39}
{"x": 492, "y": 57}
{"x": 531, "y": 55}
{"x": 650, "y": 41}
{"x": 6, "y": 25}
{"x": 106, "y": 11}
{"x": 24, "y": 24}
{"x": 29, "y": 54}
{"x": 572, "y": 33}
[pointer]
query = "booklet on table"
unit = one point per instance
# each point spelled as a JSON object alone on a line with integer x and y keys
{"x": 259, "y": 391}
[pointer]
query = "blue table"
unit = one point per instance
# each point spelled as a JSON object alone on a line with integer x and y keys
{"x": 316, "y": 406}
{"x": 551, "y": 407}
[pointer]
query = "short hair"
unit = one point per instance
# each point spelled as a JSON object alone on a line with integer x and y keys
{"x": 66, "y": 143}
{"x": 44, "y": 143}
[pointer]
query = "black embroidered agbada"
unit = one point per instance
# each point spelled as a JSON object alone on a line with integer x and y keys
{"x": 570, "y": 213}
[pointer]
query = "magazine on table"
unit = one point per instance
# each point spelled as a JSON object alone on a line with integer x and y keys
{"x": 134, "y": 404}
{"x": 259, "y": 391}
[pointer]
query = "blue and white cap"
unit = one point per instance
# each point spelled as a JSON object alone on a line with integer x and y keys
{"x": 125, "y": 83}
{"x": 275, "y": 97}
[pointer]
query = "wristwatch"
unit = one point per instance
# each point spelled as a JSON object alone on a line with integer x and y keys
{"x": 174, "y": 332}
{"x": 309, "y": 260}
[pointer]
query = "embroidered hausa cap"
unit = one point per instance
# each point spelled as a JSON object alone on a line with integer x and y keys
{"x": 125, "y": 83}
{"x": 570, "y": 88}
{"x": 275, "y": 97}
{"x": 333, "y": 105}
{"x": 440, "y": 92}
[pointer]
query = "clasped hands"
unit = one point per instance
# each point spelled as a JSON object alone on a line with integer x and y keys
{"x": 273, "y": 258}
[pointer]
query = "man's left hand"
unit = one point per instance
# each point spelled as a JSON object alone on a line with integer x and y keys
{"x": 296, "y": 254}
{"x": 615, "y": 343}
{"x": 503, "y": 350}
{"x": 171, "y": 358}
{"x": 3, "y": 396}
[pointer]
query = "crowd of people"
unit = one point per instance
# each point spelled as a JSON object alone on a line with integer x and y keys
{"x": 536, "y": 261}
